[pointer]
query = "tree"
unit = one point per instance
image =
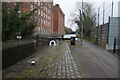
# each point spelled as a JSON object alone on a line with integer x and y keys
{"x": 68, "y": 30}
{"x": 85, "y": 17}
{"x": 13, "y": 21}
{"x": 28, "y": 30}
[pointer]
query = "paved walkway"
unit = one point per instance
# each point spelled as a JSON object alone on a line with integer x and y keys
{"x": 94, "y": 62}
{"x": 56, "y": 63}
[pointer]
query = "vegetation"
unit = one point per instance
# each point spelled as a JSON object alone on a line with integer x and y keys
{"x": 85, "y": 17}
{"x": 68, "y": 30}
{"x": 14, "y": 22}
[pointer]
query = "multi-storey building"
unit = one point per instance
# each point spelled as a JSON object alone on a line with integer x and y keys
{"x": 42, "y": 17}
{"x": 58, "y": 18}
{"x": 48, "y": 19}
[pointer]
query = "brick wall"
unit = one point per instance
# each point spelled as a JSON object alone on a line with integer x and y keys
{"x": 42, "y": 18}
{"x": 58, "y": 16}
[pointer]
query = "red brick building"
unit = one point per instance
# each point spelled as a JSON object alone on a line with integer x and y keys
{"x": 48, "y": 19}
{"x": 42, "y": 18}
{"x": 58, "y": 19}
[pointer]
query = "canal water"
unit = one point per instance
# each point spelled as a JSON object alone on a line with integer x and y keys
{"x": 13, "y": 55}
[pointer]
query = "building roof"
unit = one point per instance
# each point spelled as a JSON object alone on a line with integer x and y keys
{"x": 57, "y": 5}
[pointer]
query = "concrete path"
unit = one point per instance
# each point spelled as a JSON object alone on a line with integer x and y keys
{"x": 57, "y": 62}
{"x": 94, "y": 62}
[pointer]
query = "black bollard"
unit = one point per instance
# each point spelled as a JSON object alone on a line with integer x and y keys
{"x": 114, "y": 50}
{"x": 72, "y": 40}
{"x": 62, "y": 37}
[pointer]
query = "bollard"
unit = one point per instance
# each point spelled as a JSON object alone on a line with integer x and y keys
{"x": 72, "y": 40}
{"x": 33, "y": 63}
{"x": 62, "y": 37}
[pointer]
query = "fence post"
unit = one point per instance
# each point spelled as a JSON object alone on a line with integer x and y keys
{"x": 114, "y": 50}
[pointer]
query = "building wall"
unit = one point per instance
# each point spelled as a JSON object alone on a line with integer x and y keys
{"x": 42, "y": 18}
{"x": 55, "y": 19}
{"x": 58, "y": 16}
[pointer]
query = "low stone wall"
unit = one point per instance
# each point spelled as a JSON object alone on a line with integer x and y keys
{"x": 15, "y": 43}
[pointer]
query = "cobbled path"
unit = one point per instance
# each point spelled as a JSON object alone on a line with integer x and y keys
{"x": 56, "y": 63}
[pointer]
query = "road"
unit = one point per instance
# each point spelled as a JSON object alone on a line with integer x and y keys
{"x": 94, "y": 62}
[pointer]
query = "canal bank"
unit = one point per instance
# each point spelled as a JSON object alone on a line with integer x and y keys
{"x": 14, "y": 43}
{"x": 17, "y": 51}
{"x": 21, "y": 65}
{"x": 52, "y": 62}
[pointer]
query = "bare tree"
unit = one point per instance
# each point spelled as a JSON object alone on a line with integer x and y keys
{"x": 85, "y": 15}
{"x": 68, "y": 30}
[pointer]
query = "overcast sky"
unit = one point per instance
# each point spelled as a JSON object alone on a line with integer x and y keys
{"x": 68, "y": 7}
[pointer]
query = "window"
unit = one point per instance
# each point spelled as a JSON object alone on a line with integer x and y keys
{"x": 38, "y": 28}
{"x": 36, "y": 10}
{"x": 38, "y": 20}
{"x": 41, "y": 13}
{"x": 44, "y": 21}
{"x": 41, "y": 21}
{"x": 44, "y": 8}
{"x": 46, "y": 3}
{"x": 31, "y": 7}
{"x": 46, "y": 31}
{"x": 44, "y": 14}
{"x": 41, "y": 4}
{"x": 50, "y": 18}
{"x": 38, "y": 3}
{"x": 49, "y": 11}
{"x": 42, "y": 30}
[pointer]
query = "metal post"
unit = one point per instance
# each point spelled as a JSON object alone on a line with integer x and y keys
{"x": 114, "y": 50}
{"x": 108, "y": 30}
{"x": 112, "y": 8}
{"x": 82, "y": 26}
{"x": 103, "y": 22}
{"x": 98, "y": 23}
{"x": 103, "y": 11}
